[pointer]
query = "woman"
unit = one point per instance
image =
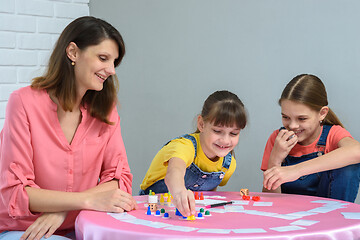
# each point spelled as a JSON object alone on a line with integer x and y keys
{"x": 61, "y": 145}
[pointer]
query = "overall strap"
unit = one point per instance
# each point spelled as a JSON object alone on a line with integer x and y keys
{"x": 193, "y": 140}
{"x": 323, "y": 136}
{"x": 187, "y": 136}
{"x": 227, "y": 158}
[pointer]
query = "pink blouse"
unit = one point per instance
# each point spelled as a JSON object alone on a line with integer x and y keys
{"x": 34, "y": 152}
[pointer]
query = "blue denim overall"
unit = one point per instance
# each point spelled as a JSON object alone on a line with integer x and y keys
{"x": 341, "y": 183}
{"x": 195, "y": 178}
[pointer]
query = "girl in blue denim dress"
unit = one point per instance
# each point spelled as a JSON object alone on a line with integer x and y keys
{"x": 200, "y": 161}
{"x": 312, "y": 154}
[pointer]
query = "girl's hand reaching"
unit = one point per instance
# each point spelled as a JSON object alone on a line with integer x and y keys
{"x": 184, "y": 201}
{"x": 44, "y": 226}
{"x": 275, "y": 176}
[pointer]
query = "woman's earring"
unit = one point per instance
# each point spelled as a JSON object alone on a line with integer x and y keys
{"x": 73, "y": 63}
{"x": 321, "y": 122}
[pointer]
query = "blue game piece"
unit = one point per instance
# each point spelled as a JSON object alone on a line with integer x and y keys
{"x": 157, "y": 213}
{"x": 177, "y": 212}
{"x": 148, "y": 211}
{"x": 200, "y": 215}
{"x": 166, "y": 215}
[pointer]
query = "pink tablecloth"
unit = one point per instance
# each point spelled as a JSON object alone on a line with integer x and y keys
{"x": 275, "y": 216}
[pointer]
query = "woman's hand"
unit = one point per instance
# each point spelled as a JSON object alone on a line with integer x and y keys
{"x": 275, "y": 176}
{"x": 284, "y": 142}
{"x": 115, "y": 200}
{"x": 44, "y": 226}
{"x": 184, "y": 201}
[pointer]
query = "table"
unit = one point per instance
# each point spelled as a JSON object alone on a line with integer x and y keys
{"x": 274, "y": 216}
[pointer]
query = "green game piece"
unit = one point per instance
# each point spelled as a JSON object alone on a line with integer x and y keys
{"x": 162, "y": 210}
{"x": 150, "y": 192}
{"x": 202, "y": 210}
{"x": 207, "y": 212}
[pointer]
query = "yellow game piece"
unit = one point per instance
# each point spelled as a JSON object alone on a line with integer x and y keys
{"x": 153, "y": 193}
{"x": 161, "y": 198}
{"x": 192, "y": 217}
{"x": 169, "y": 199}
{"x": 166, "y": 194}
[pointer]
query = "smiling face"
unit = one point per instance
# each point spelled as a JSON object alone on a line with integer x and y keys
{"x": 93, "y": 65}
{"x": 217, "y": 141}
{"x": 302, "y": 120}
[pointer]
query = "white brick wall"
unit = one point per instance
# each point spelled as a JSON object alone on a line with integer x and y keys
{"x": 28, "y": 31}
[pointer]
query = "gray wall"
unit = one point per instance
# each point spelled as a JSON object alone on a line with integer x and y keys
{"x": 179, "y": 52}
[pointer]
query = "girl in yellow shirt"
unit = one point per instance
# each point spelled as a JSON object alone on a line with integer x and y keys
{"x": 200, "y": 161}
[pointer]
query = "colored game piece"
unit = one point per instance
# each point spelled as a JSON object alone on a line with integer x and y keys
{"x": 166, "y": 215}
{"x": 168, "y": 199}
{"x": 207, "y": 213}
{"x": 246, "y": 197}
{"x": 197, "y": 196}
{"x": 177, "y": 212}
{"x": 152, "y": 201}
{"x": 161, "y": 198}
{"x": 150, "y": 192}
{"x": 153, "y": 193}
{"x": 256, "y": 198}
{"x": 200, "y": 215}
{"x": 157, "y": 213}
{"x": 202, "y": 210}
{"x": 244, "y": 191}
{"x": 201, "y": 196}
{"x": 148, "y": 211}
{"x": 166, "y": 195}
{"x": 192, "y": 217}
{"x": 162, "y": 210}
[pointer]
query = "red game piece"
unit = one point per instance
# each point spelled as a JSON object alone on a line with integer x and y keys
{"x": 246, "y": 197}
{"x": 256, "y": 198}
{"x": 201, "y": 196}
{"x": 197, "y": 196}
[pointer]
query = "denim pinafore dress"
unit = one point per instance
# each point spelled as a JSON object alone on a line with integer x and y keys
{"x": 195, "y": 178}
{"x": 341, "y": 183}
{"x": 308, "y": 184}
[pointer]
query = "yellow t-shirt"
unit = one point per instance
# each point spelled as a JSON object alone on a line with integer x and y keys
{"x": 184, "y": 149}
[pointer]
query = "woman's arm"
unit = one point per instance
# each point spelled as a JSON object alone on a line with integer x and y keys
{"x": 104, "y": 197}
{"x": 184, "y": 199}
{"x": 347, "y": 153}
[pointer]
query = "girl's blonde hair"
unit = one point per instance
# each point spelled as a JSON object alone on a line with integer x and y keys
{"x": 310, "y": 90}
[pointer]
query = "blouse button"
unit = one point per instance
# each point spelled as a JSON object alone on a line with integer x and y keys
{"x": 196, "y": 185}
{"x": 203, "y": 176}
